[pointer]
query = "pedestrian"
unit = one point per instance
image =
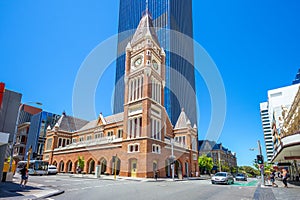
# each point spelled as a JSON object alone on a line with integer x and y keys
{"x": 156, "y": 174}
{"x": 272, "y": 178}
{"x": 284, "y": 177}
{"x": 24, "y": 176}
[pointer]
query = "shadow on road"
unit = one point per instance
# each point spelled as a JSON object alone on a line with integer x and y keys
{"x": 10, "y": 189}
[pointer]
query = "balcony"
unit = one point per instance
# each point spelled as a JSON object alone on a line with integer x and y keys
{"x": 176, "y": 144}
{"x": 93, "y": 142}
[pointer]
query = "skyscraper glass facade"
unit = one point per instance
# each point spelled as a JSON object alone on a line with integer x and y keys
{"x": 297, "y": 78}
{"x": 37, "y": 132}
{"x": 180, "y": 79}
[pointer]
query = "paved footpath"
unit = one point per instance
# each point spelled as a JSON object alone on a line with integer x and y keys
{"x": 280, "y": 193}
{"x": 12, "y": 190}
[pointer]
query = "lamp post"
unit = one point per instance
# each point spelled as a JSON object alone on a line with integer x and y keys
{"x": 16, "y": 130}
{"x": 261, "y": 167}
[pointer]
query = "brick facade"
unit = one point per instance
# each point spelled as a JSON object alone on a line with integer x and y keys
{"x": 139, "y": 138}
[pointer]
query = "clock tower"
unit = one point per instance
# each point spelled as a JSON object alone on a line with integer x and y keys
{"x": 144, "y": 83}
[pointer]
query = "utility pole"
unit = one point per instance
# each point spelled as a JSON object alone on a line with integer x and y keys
{"x": 219, "y": 156}
{"x": 28, "y": 156}
{"x": 261, "y": 166}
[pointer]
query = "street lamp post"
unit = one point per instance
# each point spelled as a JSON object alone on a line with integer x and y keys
{"x": 261, "y": 167}
{"x": 15, "y": 132}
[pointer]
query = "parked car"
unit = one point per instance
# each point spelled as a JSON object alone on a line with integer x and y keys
{"x": 52, "y": 169}
{"x": 222, "y": 177}
{"x": 241, "y": 177}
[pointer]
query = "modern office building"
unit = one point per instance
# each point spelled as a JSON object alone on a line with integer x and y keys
{"x": 266, "y": 125}
{"x": 297, "y": 78}
{"x": 37, "y": 132}
{"x": 180, "y": 79}
{"x": 8, "y": 117}
{"x": 279, "y": 100}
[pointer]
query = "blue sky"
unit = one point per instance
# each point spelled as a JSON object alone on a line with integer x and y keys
{"x": 255, "y": 45}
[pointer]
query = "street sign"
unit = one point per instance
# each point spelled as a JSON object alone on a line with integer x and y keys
{"x": 261, "y": 166}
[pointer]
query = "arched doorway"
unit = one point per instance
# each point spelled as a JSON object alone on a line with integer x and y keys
{"x": 61, "y": 166}
{"x": 177, "y": 169}
{"x": 155, "y": 169}
{"x": 116, "y": 165}
{"x": 75, "y": 166}
{"x": 186, "y": 169}
{"x": 54, "y": 163}
{"x": 103, "y": 165}
{"x": 133, "y": 167}
{"x": 91, "y": 166}
{"x": 69, "y": 166}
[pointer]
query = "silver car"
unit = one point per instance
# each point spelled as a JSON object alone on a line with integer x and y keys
{"x": 222, "y": 177}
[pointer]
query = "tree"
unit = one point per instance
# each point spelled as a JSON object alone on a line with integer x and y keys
{"x": 225, "y": 168}
{"x": 205, "y": 163}
{"x": 80, "y": 163}
{"x": 250, "y": 171}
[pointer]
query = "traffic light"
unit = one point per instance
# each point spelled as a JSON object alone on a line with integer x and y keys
{"x": 260, "y": 159}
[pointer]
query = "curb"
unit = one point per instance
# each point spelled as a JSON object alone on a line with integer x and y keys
{"x": 51, "y": 194}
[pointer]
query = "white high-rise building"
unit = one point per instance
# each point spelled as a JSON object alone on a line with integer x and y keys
{"x": 271, "y": 112}
{"x": 266, "y": 124}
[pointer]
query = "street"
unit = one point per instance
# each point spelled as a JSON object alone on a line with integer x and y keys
{"x": 82, "y": 188}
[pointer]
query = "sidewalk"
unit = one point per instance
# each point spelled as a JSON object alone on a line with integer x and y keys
{"x": 12, "y": 190}
{"x": 281, "y": 193}
{"x": 111, "y": 177}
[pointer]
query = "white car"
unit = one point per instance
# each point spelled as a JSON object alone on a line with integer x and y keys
{"x": 52, "y": 169}
{"x": 222, "y": 177}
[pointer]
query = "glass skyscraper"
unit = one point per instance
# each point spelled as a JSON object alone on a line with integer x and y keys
{"x": 180, "y": 77}
{"x": 297, "y": 78}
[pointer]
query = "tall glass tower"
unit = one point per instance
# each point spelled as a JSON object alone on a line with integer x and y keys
{"x": 297, "y": 78}
{"x": 174, "y": 15}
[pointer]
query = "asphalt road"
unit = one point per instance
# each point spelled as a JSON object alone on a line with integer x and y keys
{"x": 80, "y": 188}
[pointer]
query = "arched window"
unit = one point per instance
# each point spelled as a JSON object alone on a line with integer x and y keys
{"x": 155, "y": 128}
{"x": 61, "y": 166}
{"x": 69, "y": 166}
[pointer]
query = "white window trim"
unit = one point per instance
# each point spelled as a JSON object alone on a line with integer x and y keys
{"x": 156, "y": 146}
{"x": 133, "y": 145}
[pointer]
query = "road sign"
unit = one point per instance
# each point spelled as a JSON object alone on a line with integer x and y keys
{"x": 261, "y": 166}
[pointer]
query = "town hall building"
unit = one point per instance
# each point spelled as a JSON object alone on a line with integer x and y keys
{"x": 138, "y": 141}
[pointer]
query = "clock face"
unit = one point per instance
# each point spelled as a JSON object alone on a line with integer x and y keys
{"x": 138, "y": 61}
{"x": 155, "y": 65}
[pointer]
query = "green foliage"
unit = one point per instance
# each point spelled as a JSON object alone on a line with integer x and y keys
{"x": 250, "y": 171}
{"x": 205, "y": 163}
{"x": 81, "y": 162}
{"x": 233, "y": 170}
{"x": 224, "y": 168}
{"x": 268, "y": 166}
